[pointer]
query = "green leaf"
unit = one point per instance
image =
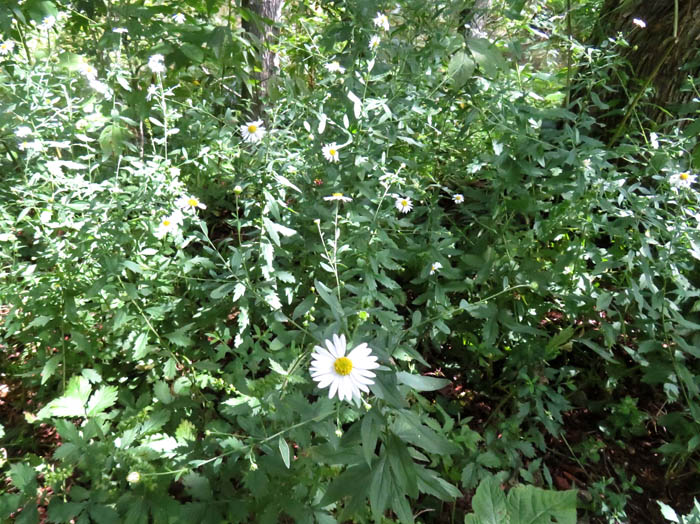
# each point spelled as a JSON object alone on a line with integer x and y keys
{"x": 531, "y": 505}
{"x": 420, "y": 382}
{"x": 104, "y": 398}
{"x": 380, "y": 489}
{"x": 488, "y": 57}
{"x": 140, "y": 346}
{"x": 198, "y": 486}
{"x": 560, "y": 339}
{"x": 23, "y": 477}
{"x": 186, "y": 430}
{"x": 162, "y": 392}
{"x": 59, "y": 511}
{"x": 489, "y": 504}
{"x": 460, "y": 69}
{"x": 329, "y": 298}
{"x": 50, "y": 368}
{"x": 409, "y": 428}
{"x": 402, "y": 466}
{"x": 72, "y": 404}
{"x": 284, "y": 451}
{"x": 104, "y": 514}
{"x": 369, "y": 432}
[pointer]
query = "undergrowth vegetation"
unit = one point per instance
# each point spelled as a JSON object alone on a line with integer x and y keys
{"x": 173, "y": 262}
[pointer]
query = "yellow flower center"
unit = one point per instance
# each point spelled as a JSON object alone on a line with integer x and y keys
{"x": 337, "y": 195}
{"x": 332, "y": 152}
{"x": 252, "y": 128}
{"x": 193, "y": 202}
{"x": 343, "y": 366}
{"x": 404, "y": 203}
{"x": 166, "y": 222}
{"x": 684, "y": 176}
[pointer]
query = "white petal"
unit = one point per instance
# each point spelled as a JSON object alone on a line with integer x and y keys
{"x": 332, "y": 349}
{"x": 334, "y": 388}
{"x": 360, "y": 352}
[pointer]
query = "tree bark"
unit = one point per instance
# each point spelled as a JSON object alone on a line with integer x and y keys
{"x": 266, "y": 35}
{"x": 657, "y": 58}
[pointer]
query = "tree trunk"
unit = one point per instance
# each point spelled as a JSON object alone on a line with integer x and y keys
{"x": 265, "y": 34}
{"x": 657, "y": 59}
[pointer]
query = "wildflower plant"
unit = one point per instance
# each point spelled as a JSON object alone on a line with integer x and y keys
{"x": 211, "y": 308}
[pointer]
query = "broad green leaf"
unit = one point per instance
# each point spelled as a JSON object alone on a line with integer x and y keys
{"x": 380, "y": 489}
{"x": 23, "y": 476}
{"x": 409, "y": 428}
{"x": 402, "y": 466}
{"x": 186, "y": 430}
{"x": 531, "y": 505}
{"x": 369, "y": 432}
{"x": 489, "y": 504}
{"x": 460, "y": 69}
{"x": 72, "y": 404}
{"x": 140, "y": 346}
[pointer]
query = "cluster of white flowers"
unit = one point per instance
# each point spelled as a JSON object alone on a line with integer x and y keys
{"x": 170, "y": 224}
{"x": 47, "y": 23}
{"x": 435, "y": 267}
{"x": 253, "y": 131}
{"x": 90, "y": 73}
{"x": 156, "y": 64}
{"x": 347, "y": 375}
{"x": 179, "y": 18}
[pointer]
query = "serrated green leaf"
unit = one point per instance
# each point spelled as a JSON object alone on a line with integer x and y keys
{"x": 531, "y": 505}
{"x": 104, "y": 398}
{"x": 186, "y": 430}
{"x": 460, "y": 69}
{"x": 489, "y": 504}
{"x": 369, "y": 433}
{"x": 380, "y": 489}
{"x": 23, "y": 476}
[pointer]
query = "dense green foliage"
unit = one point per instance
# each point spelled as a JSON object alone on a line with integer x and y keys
{"x": 409, "y": 185}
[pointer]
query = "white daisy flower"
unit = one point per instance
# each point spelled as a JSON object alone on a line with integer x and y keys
{"x": 338, "y": 197}
{"x": 458, "y": 198}
{"x": 403, "y": 204}
{"x": 639, "y": 23}
{"x": 435, "y": 267}
{"x": 170, "y": 224}
{"x": 6, "y": 47}
{"x": 156, "y": 64}
{"x": 47, "y": 23}
{"x": 683, "y": 180}
{"x": 346, "y": 375}
{"x": 253, "y": 131}
{"x": 120, "y": 30}
{"x": 23, "y": 131}
{"x": 374, "y": 42}
{"x": 330, "y": 152}
{"x": 381, "y": 20}
{"x": 87, "y": 71}
{"x": 179, "y": 18}
{"x": 189, "y": 204}
{"x": 334, "y": 67}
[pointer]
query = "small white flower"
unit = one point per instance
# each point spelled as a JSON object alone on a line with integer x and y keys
{"x": 134, "y": 477}
{"x": 179, "y": 18}
{"x": 120, "y": 30}
{"x": 374, "y": 42}
{"x": 170, "y": 224}
{"x": 238, "y": 189}
{"x": 639, "y": 23}
{"x": 100, "y": 87}
{"x": 381, "y": 20}
{"x": 338, "y": 432}
{"x": 458, "y": 198}
{"x": 23, "y": 131}
{"x": 6, "y": 47}
{"x": 587, "y": 163}
{"x": 334, "y": 67}
{"x": 87, "y": 71}
{"x": 435, "y": 267}
{"x": 683, "y": 180}
{"x": 34, "y": 145}
{"x": 253, "y": 131}
{"x": 654, "y": 140}
{"x": 330, "y": 152}
{"x": 189, "y": 204}
{"x": 156, "y": 64}
{"x": 403, "y": 204}
{"x": 47, "y": 23}
{"x": 346, "y": 375}
{"x": 152, "y": 91}
{"x": 338, "y": 197}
